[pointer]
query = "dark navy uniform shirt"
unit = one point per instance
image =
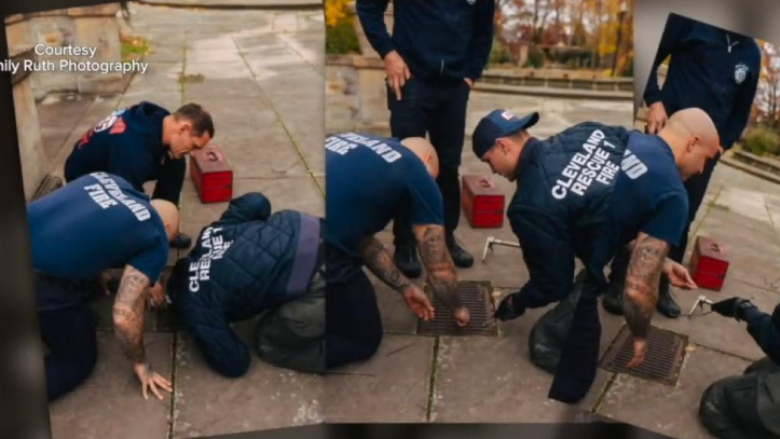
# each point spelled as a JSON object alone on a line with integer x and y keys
{"x": 94, "y": 223}
{"x": 436, "y": 38}
{"x": 649, "y": 194}
{"x": 127, "y": 143}
{"x": 370, "y": 180}
{"x": 711, "y": 69}
{"x": 584, "y": 193}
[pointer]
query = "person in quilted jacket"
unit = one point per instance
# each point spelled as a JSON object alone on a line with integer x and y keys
{"x": 249, "y": 262}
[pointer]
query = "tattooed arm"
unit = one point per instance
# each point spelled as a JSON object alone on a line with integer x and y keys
{"x": 641, "y": 294}
{"x": 378, "y": 260}
{"x": 128, "y": 313}
{"x": 381, "y": 264}
{"x": 129, "y": 308}
{"x": 439, "y": 266}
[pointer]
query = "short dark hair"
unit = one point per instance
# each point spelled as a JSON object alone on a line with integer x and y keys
{"x": 200, "y": 119}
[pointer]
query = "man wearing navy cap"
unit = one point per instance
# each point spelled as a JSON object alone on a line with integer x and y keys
{"x": 95, "y": 223}
{"x": 437, "y": 51}
{"x": 711, "y": 69}
{"x": 584, "y": 193}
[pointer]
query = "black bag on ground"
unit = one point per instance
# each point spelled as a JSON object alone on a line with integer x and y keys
{"x": 292, "y": 335}
{"x": 545, "y": 342}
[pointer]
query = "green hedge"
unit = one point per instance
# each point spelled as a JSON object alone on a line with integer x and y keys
{"x": 341, "y": 39}
{"x": 761, "y": 140}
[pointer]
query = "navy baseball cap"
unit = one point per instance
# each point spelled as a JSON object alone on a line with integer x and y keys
{"x": 497, "y": 124}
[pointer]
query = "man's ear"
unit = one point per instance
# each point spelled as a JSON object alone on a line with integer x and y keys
{"x": 692, "y": 141}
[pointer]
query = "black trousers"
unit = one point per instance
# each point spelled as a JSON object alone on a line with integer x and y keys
{"x": 353, "y": 325}
{"x": 69, "y": 335}
{"x": 729, "y": 407}
{"x": 171, "y": 180}
{"x": 439, "y": 110}
{"x": 696, "y": 187}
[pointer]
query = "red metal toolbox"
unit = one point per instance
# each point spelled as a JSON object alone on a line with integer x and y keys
{"x": 483, "y": 203}
{"x": 709, "y": 264}
{"x": 211, "y": 174}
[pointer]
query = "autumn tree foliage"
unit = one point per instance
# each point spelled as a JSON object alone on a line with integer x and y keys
{"x": 585, "y": 30}
{"x": 766, "y": 106}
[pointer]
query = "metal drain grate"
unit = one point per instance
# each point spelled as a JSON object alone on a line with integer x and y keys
{"x": 475, "y": 295}
{"x": 664, "y": 358}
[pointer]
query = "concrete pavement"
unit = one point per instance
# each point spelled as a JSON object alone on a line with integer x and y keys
{"x": 260, "y": 75}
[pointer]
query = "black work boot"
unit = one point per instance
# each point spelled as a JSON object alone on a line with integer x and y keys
{"x": 460, "y": 257}
{"x": 406, "y": 260}
{"x": 666, "y": 304}
{"x": 181, "y": 241}
{"x": 612, "y": 301}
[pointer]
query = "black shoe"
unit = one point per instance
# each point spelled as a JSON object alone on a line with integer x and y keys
{"x": 460, "y": 257}
{"x": 406, "y": 260}
{"x": 666, "y": 304}
{"x": 181, "y": 241}
{"x": 612, "y": 302}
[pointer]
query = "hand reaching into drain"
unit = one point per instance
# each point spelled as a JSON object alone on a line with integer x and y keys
{"x": 462, "y": 317}
{"x": 640, "y": 350}
{"x": 418, "y": 302}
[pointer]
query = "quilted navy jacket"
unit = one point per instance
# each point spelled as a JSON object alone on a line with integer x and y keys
{"x": 241, "y": 265}
{"x": 553, "y": 222}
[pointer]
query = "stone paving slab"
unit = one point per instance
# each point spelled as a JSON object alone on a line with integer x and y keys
{"x": 266, "y": 397}
{"x": 109, "y": 404}
{"x": 390, "y": 387}
{"x": 58, "y": 114}
{"x": 99, "y": 109}
{"x": 672, "y": 411}
{"x": 490, "y": 380}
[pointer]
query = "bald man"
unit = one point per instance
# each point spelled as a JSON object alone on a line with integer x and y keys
{"x": 585, "y": 193}
{"x": 95, "y": 223}
{"x": 372, "y": 180}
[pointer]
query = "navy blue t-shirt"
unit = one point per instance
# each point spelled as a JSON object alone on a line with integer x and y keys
{"x": 371, "y": 179}
{"x": 94, "y": 223}
{"x": 649, "y": 194}
{"x": 127, "y": 143}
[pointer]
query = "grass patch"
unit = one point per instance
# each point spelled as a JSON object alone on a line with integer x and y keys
{"x": 134, "y": 48}
{"x": 191, "y": 79}
{"x": 341, "y": 39}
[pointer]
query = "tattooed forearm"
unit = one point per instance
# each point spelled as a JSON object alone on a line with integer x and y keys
{"x": 128, "y": 313}
{"x": 438, "y": 263}
{"x": 641, "y": 293}
{"x": 378, "y": 260}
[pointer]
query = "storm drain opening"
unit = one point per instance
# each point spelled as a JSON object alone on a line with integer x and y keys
{"x": 476, "y": 296}
{"x": 663, "y": 360}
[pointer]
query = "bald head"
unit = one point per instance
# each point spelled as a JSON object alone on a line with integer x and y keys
{"x": 692, "y": 135}
{"x": 693, "y": 122}
{"x": 425, "y": 152}
{"x": 169, "y": 214}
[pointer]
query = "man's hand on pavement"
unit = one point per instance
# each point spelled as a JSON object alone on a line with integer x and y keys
{"x": 151, "y": 380}
{"x": 470, "y": 82}
{"x": 397, "y": 72}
